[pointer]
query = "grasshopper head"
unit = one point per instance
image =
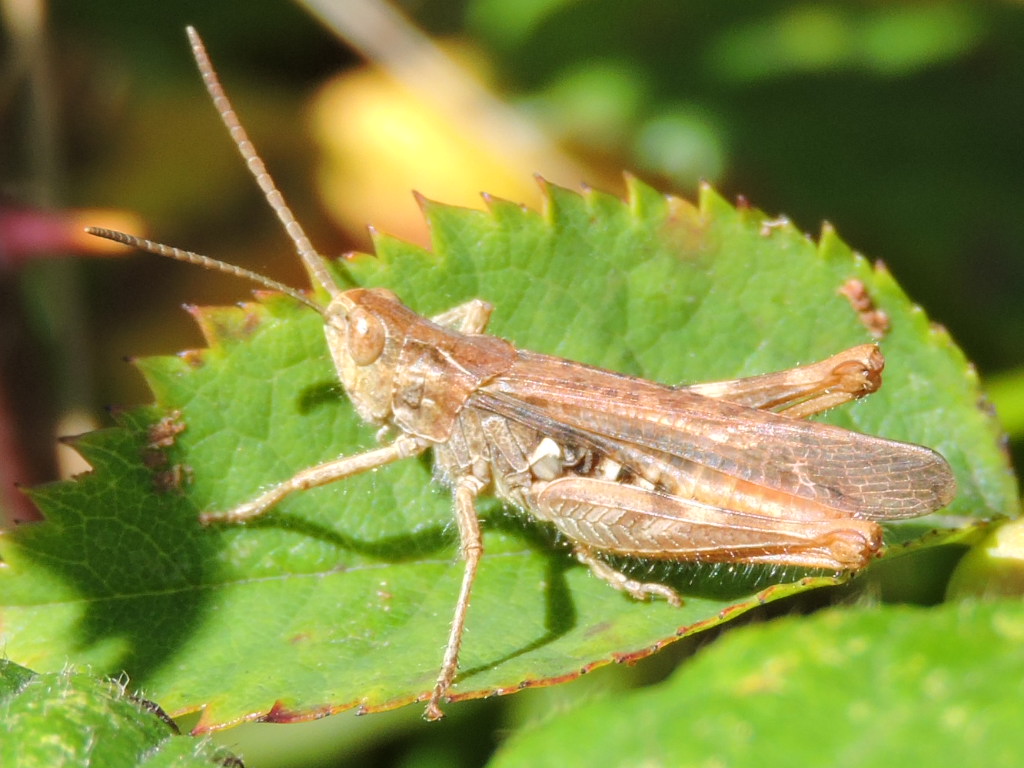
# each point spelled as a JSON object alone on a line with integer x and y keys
{"x": 365, "y": 328}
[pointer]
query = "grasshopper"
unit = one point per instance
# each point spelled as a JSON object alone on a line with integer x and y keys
{"x": 719, "y": 472}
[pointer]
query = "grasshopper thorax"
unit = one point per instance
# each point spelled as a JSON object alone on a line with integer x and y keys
{"x": 401, "y": 368}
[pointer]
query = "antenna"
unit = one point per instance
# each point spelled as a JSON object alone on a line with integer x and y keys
{"x": 313, "y": 261}
{"x": 203, "y": 261}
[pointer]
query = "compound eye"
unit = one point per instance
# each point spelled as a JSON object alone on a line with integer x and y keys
{"x": 365, "y": 337}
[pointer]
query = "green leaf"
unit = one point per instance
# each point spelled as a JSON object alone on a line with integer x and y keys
{"x": 888, "y": 685}
{"x": 342, "y": 596}
{"x": 71, "y": 719}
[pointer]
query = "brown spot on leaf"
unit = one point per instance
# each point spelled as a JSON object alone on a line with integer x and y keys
{"x": 159, "y": 437}
{"x": 874, "y": 319}
{"x": 173, "y": 479}
{"x": 154, "y": 459}
{"x": 193, "y": 358}
{"x": 162, "y": 434}
{"x": 281, "y": 714}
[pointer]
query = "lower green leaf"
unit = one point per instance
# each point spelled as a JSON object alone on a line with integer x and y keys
{"x": 879, "y": 686}
{"x": 73, "y": 719}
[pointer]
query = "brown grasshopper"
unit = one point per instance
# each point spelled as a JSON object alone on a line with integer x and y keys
{"x": 726, "y": 471}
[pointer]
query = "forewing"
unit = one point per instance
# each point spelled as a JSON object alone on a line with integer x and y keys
{"x": 860, "y": 475}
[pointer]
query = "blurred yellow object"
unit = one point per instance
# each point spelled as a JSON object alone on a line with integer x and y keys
{"x": 381, "y": 141}
{"x": 992, "y": 568}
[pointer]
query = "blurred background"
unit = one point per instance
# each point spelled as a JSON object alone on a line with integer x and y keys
{"x": 901, "y": 123}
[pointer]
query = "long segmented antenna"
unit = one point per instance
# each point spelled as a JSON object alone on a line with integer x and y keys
{"x": 314, "y": 262}
{"x": 206, "y": 262}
